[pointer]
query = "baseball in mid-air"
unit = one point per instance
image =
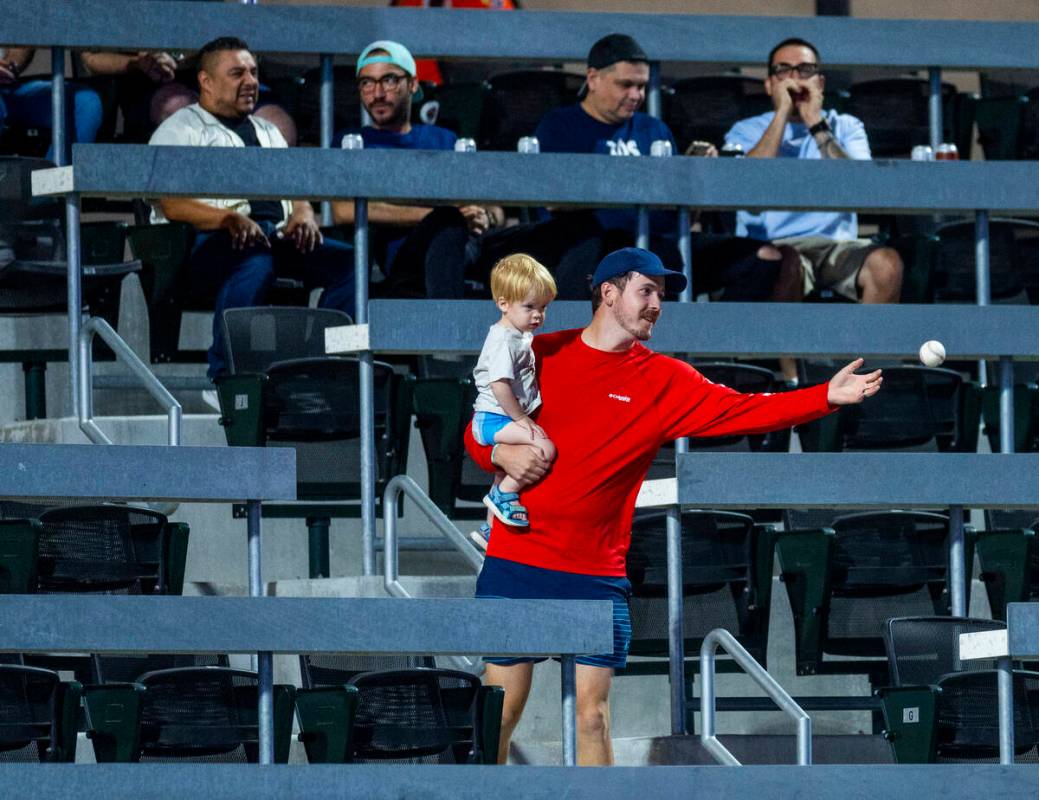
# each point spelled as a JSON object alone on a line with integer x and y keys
{"x": 932, "y": 353}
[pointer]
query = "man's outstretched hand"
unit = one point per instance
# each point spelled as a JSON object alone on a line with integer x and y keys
{"x": 846, "y": 388}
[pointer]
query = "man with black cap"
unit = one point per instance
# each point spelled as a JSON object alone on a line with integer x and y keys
{"x": 607, "y": 120}
{"x": 609, "y": 402}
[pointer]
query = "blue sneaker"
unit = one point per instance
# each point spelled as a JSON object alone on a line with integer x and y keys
{"x": 506, "y": 507}
{"x": 481, "y": 537}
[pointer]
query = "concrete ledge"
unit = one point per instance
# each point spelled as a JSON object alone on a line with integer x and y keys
{"x": 246, "y": 782}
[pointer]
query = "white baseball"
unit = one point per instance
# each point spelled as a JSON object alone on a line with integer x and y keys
{"x": 932, "y": 353}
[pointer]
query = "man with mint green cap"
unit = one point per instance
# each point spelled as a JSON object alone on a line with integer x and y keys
{"x": 421, "y": 249}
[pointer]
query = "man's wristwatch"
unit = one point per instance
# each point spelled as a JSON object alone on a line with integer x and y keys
{"x": 819, "y": 127}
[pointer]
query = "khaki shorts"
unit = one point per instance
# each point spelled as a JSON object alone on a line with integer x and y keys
{"x": 831, "y": 264}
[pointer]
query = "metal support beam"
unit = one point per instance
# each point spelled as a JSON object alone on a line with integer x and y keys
{"x": 1005, "y": 681}
{"x": 934, "y": 107}
{"x": 957, "y": 562}
{"x": 35, "y": 389}
{"x": 367, "y": 389}
{"x": 327, "y": 120}
{"x": 264, "y": 660}
{"x": 568, "y": 685}
{"x": 982, "y": 274}
{"x": 75, "y": 297}
{"x": 685, "y": 248}
{"x": 642, "y": 237}
{"x": 653, "y": 104}
{"x": 675, "y": 621}
{"x": 59, "y": 138}
{"x": 1006, "y": 405}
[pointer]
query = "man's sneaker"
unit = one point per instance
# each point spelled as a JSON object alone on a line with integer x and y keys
{"x": 209, "y": 397}
{"x": 506, "y": 507}
{"x": 482, "y": 536}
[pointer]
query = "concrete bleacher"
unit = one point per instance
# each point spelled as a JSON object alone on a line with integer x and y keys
{"x": 710, "y": 330}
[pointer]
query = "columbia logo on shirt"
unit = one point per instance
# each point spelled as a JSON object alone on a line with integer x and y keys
{"x": 622, "y": 148}
{"x": 622, "y": 397}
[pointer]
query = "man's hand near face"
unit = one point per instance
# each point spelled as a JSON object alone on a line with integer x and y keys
{"x": 809, "y": 102}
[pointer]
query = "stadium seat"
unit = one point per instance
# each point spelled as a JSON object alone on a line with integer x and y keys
{"x": 1008, "y": 554}
{"x": 346, "y": 108}
{"x": 940, "y": 708}
{"x": 208, "y": 714}
{"x": 921, "y": 408}
{"x": 33, "y": 271}
{"x": 425, "y": 716}
{"x": 280, "y": 394}
{"x": 516, "y": 102}
{"x": 458, "y": 107}
{"x": 894, "y": 111}
{"x": 845, "y": 576}
{"x": 1000, "y": 122}
{"x": 1013, "y": 265}
{"x": 37, "y": 715}
{"x": 726, "y": 583}
{"x": 704, "y": 108}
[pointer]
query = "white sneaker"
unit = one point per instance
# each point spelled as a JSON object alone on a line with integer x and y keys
{"x": 210, "y": 398}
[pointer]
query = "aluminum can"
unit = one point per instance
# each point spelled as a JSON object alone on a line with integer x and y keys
{"x": 528, "y": 144}
{"x": 922, "y": 152}
{"x": 465, "y": 145}
{"x": 946, "y": 152}
{"x": 660, "y": 148}
{"x": 353, "y": 141}
{"x": 731, "y": 150}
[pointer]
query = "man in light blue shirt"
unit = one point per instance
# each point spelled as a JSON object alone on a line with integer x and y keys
{"x": 831, "y": 254}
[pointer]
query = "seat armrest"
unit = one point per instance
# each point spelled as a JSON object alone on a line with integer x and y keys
{"x": 241, "y": 409}
{"x": 909, "y": 722}
{"x": 19, "y": 555}
{"x": 326, "y": 717}
{"x": 113, "y": 718}
{"x": 487, "y": 724}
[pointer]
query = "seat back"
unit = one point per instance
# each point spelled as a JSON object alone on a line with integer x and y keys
{"x": 321, "y": 669}
{"x": 26, "y": 712}
{"x": 255, "y": 338}
{"x": 920, "y": 650}
{"x": 953, "y": 276}
{"x": 705, "y": 107}
{"x": 312, "y": 405}
{"x": 200, "y": 714}
{"x": 516, "y": 102}
{"x": 418, "y": 716}
{"x": 104, "y": 549}
{"x": 127, "y": 669}
{"x": 885, "y": 564}
{"x": 720, "y": 586}
{"x": 346, "y": 111}
{"x": 967, "y": 716}
{"x": 894, "y": 112}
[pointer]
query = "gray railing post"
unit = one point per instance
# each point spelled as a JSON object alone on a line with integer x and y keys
{"x": 685, "y": 248}
{"x": 327, "y": 120}
{"x": 1005, "y": 681}
{"x": 264, "y": 660}
{"x": 1006, "y": 405}
{"x": 957, "y": 563}
{"x": 675, "y": 615}
{"x": 982, "y": 284}
{"x": 59, "y": 133}
{"x": 934, "y": 107}
{"x": 568, "y": 687}
{"x": 74, "y": 281}
{"x": 367, "y": 389}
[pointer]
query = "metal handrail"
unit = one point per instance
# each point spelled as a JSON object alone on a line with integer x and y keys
{"x": 720, "y": 637}
{"x": 402, "y": 484}
{"x": 96, "y": 326}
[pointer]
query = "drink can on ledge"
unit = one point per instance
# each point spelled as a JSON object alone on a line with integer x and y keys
{"x": 353, "y": 141}
{"x": 731, "y": 150}
{"x": 528, "y": 144}
{"x": 465, "y": 146}
{"x": 946, "y": 152}
{"x": 660, "y": 148}
{"x": 922, "y": 152}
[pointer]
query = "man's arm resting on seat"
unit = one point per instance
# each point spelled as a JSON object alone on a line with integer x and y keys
{"x": 523, "y": 462}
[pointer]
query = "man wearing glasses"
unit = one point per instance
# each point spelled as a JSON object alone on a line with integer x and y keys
{"x": 422, "y": 250}
{"x": 832, "y": 256}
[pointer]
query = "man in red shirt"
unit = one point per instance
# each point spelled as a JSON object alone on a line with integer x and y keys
{"x": 608, "y": 404}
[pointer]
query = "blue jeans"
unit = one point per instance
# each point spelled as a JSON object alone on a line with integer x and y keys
{"x": 242, "y": 278}
{"x": 28, "y": 105}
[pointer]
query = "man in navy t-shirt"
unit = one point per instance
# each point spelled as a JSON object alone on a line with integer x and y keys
{"x": 421, "y": 249}
{"x": 608, "y": 121}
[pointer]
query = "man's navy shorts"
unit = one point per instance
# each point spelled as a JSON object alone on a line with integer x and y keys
{"x": 508, "y": 579}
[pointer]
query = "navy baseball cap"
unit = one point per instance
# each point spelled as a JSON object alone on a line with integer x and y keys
{"x": 635, "y": 259}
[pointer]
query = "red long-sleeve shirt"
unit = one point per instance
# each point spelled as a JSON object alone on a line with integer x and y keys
{"x": 608, "y": 413}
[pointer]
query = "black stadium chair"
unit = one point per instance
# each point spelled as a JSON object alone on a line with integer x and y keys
{"x": 847, "y": 575}
{"x": 425, "y": 716}
{"x": 704, "y": 108}
{"x": 37, "y": 715}
{"x": 1013, "y": 266}
{"x": 943, "y": 709}
{"x": 1008, "y": 554}
{"x": 516, "y": 102}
